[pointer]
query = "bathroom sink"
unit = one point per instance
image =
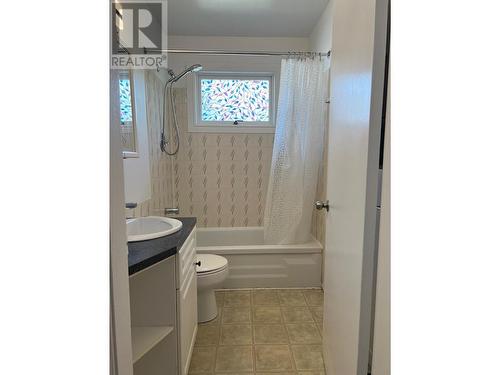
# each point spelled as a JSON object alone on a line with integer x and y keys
{"x": 150, "y": 227}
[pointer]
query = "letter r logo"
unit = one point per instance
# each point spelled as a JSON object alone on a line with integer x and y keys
{"x": 138, "y": 25}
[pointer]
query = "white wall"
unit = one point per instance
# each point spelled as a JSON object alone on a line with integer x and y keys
{"x": 321, "y": 36}
{"x": 271, "y": 64}
{"x": 137, "y": 170}
{"x": 237, "y": 43}
{"x": 320, "y": 40}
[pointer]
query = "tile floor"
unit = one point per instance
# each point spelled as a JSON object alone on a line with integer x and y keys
{"x": 262, "y": 331}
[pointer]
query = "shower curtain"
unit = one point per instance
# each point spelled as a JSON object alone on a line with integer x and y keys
{"x": 297, "y": 152}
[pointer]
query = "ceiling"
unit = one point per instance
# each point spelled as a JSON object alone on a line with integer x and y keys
{"x": 252, "y": 18}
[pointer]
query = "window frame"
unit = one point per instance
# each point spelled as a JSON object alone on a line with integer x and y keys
{"x": 130, "y": 126}
{"x": 129, "y": 76}
{"x": 228, "y": 126}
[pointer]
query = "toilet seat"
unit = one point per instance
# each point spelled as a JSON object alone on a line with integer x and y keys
{"x": 210, "y": 263}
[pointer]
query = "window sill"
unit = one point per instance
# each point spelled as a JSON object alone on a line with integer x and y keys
{"x": 232, "y": 129}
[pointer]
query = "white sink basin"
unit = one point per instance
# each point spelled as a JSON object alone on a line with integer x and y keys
{"x": 149, "y": 227}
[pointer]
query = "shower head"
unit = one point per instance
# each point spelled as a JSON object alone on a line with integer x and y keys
{"x": 192, "y": 68}
{"x": 195, "y": 68}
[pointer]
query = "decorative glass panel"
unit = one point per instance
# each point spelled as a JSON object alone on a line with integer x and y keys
{"x": 125, "y": 101}
{"x": 244, "y": 100}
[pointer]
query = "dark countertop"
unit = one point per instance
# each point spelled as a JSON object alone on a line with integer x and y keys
{"x": 143, "y": 254}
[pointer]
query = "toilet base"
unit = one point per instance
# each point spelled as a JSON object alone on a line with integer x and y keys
{"x": 207, "y": 306}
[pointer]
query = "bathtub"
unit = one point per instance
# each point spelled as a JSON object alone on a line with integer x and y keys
{"x": 252, "y": 264}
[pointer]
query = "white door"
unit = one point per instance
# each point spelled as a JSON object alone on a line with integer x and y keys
{"x": 357, "y": 76}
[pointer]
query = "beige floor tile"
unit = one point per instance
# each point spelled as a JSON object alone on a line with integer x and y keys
{"x": 303, "y": 333}
{"x": 261, "y": 332}
{"x": 308, "y": 357}
{"x": 292, "y": 298}
{"x": 266, "y": 314}
{"x": 317, "y": 313}
{"x": 236, "y": 298}
{"x": 297, "y": 314}
{"x": 219, "y": 298}
{"x": 236, "y": 334}
{"x": 202, "y": 360}
{"x": 235, "y": 315}
{"x": 265, "y": 297}
{"x": 314, "y": 297}
{"x": 270, "y": 334}
{"x": 234, "y": 359}
{"x": 207, "y": 335}
{"x": 273, "y": 358}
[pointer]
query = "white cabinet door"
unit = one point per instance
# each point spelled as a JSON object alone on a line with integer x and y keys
{"x": 188, "y": 318}
{"x": 187, "y": 302}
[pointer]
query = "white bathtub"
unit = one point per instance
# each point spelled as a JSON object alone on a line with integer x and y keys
{"x": 252, "y": 264}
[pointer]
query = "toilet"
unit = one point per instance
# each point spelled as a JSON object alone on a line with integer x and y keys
{"x": 211, "y": 271}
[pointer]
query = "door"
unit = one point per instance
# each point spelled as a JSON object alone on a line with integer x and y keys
{"x": 357, "y": 79}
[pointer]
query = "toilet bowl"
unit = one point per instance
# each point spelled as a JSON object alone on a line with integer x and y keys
{"x": 211, "y": 271}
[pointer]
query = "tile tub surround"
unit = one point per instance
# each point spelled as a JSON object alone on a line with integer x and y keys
{"x": 262, "y": 331}
{"x": 220, "y": 178}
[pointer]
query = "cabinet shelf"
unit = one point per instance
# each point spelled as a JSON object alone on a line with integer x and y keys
{"x": 145, "y": 338}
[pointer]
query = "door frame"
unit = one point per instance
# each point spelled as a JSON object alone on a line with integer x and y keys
{"x": 120, "y": 329}
{"x": 371, "y": 235}
{"x": 381, "y": 364}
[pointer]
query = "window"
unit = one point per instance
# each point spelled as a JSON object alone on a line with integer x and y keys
{"x": 126, "y": 116}
{"x": 127, "y": 123}
{"x": 241, "y": 102}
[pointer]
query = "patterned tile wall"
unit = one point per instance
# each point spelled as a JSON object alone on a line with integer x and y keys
{"x": 221, "y": 178}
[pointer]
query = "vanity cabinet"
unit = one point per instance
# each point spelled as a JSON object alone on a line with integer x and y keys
{"x": 164, "y": 311}
{"x": 187, "y": 308}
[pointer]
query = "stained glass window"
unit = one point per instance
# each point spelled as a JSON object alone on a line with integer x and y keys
{"x": 231, "y": 99}
{"x": 125, "y": 100}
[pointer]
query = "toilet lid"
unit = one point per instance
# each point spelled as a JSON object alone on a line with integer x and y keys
{"x": 210, "y": 262}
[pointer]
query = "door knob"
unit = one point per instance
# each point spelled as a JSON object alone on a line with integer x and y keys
{"x": 320, "y": 205}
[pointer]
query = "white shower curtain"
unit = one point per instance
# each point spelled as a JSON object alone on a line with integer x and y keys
{"x": 297, "y": 152}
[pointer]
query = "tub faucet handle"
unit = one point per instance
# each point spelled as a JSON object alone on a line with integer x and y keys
{"x": 198, "y": 263}
{"x": 172, "y": 211}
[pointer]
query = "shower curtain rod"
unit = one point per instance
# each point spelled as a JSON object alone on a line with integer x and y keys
{"x": 241, "y": 53}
